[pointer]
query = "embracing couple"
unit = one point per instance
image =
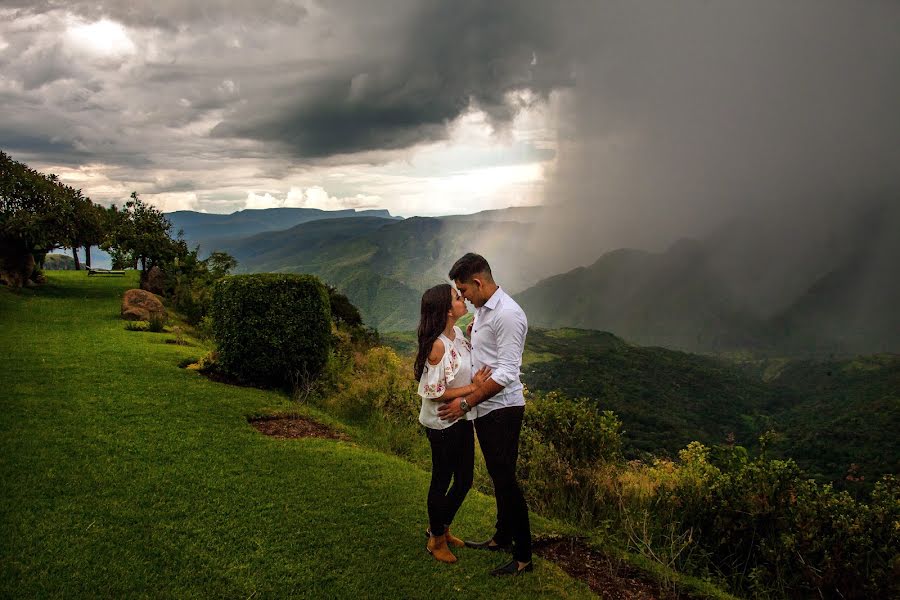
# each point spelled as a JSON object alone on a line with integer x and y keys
{"x": 465, "y": 382}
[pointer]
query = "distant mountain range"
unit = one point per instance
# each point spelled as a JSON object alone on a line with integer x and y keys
{"x": 746, "y": 286}
{"x": 384, "y": 265}
{"x": 733, "y": 291}
{"x": 211, "y": 231}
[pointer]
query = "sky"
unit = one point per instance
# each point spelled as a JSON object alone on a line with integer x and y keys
{"x": 637, "y": 122}
{"x": 226, "y": 105}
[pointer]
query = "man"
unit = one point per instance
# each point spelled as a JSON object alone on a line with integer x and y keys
{"x": 498, "y": 341}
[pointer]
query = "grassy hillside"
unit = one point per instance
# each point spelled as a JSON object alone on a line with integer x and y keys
{"x": 849, "y": 414}
{"x": 665, "y": 398}
{"x": 125, "y": 476}
{"x": 59, "y": 262}
{"x": 828, "y": 415}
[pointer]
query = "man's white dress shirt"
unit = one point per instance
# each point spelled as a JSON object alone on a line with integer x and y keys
{"x": 498, "y": 341}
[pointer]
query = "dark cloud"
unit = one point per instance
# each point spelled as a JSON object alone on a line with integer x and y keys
{"x": 432, "y": 62}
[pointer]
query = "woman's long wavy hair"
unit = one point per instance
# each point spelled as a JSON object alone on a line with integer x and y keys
{"x": 436, "y": 303}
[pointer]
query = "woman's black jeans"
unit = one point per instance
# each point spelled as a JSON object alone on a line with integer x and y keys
{"x": 498, "y": 436}
{"x": 452, "y": 458}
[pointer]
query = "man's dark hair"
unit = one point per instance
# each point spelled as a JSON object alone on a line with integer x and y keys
{"x": 468, "y": 266}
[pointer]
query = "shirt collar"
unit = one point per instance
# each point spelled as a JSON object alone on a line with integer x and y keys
{"x": 494, "y": 300}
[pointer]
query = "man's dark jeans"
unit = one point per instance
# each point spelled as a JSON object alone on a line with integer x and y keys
{"x": 498, "y": 436}
{"x": 452, "y": 457}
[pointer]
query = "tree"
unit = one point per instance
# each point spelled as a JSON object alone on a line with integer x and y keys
{"x": 36, "y": 215}
{"x": 92, "y": 229}
{"x": 86, "y": 228}
{"x": 220, "y": 264}
{"x": 142, "y": 233}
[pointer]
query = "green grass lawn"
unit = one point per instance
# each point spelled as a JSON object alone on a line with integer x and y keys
{"x": 125, "y": 476}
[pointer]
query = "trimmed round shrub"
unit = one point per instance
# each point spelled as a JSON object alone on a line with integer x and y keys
{"x": 271, "y": 329}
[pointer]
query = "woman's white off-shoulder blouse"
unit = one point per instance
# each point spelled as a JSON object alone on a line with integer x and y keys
{"x": 454, "y": 370}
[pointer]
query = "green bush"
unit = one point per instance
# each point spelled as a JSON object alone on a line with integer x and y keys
{"x": 376, "y": 385}
{"x": 773, "y": 531}
{"x": 580, "y": 433}
{"x": 157, "y": 323}
{"x": 271, "y": 329}
{"x": 137, "y": 326}
{"x": 342, "y": 310}
{"x": 563, "y": 441}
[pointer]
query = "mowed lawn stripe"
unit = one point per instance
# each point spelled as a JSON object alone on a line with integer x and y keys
{"x": 125, "y": 476}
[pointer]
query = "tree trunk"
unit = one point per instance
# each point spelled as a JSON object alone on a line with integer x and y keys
{"x": 75, "y": 256}
{"x": 87, "y": 256}
{"x": 16, "y": 268}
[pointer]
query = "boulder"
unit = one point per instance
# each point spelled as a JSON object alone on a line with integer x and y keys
{"x": 140, "y": 305}
{"x": 154, "y": 282}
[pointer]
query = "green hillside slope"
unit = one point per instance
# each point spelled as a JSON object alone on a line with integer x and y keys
{"x": 124, "y": 476}
{"x": 849, "y": 415}
{"x": 665, "y": 398}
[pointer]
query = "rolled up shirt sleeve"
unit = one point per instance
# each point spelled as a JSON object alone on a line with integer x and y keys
{"x": 510, "y": 328}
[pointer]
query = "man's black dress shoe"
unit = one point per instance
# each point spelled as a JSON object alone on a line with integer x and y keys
{"x": 488, "y": 546}
{"x": 512, "y": 568}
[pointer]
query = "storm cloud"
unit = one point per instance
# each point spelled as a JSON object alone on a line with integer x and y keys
{"x": 418, "y": 66}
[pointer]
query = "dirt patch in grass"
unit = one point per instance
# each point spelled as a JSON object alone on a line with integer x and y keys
{"x": 294, "y": 426}
{"x": 608, "y": 577}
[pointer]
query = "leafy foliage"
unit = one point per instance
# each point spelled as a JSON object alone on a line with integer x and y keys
{"x": 141, "y": 234}
{"x": 579, "y": 432}
{"x": 844, "y": 428}
{"x": 189, "y": 281}
{"x": 271, "y": 328}
{"x": 37, "y": 213}
{"x": 342, "y": 310}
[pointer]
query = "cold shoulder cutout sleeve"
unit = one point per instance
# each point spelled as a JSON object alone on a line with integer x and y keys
{"x": 433, "y": 382}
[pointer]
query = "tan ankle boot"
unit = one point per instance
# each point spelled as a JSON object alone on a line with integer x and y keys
{"x": 437, "y": 546}
{"x": 452, "y": 540}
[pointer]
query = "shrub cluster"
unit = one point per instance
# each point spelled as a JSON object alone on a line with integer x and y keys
{"x": 562, "y": 441}
{"x": 271, "y": 329}
{"x": 371, "y": 387}
{"x": 189, "y": 283}
{"x": 757, "y": 525}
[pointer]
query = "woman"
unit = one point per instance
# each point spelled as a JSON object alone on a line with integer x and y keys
{"x": 444, "y": 370}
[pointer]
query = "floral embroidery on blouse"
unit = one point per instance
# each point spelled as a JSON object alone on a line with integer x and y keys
{"x": 434, "y": 378}
{"x": 433, "y": 388}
